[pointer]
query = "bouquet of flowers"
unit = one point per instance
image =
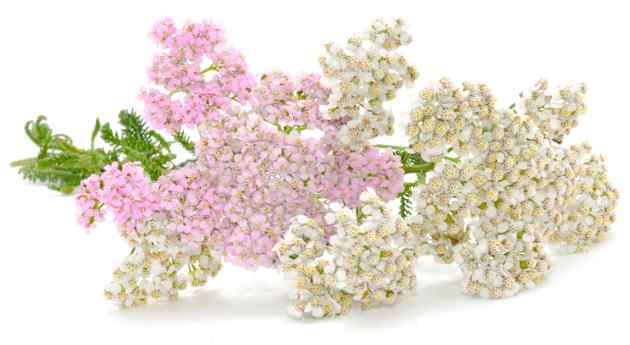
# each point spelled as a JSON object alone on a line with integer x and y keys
{"x": 284, "y": 172}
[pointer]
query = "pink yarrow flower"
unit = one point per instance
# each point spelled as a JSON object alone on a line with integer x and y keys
{"x": 254, "y": 172}
{"x": 125, "y": 191}
{"x": 195, "y": 75}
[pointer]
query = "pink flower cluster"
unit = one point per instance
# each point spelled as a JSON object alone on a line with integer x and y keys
{"x": 286, "y": 102}
{"x": 182, "y": 199}
{"x": 196, "y": 63}
{"x": 125, "y": 191}
{"x": 264, "y": 178}
{"x": 350, "y": 173}
{"x": 189, "y": 204}
{"x": 250, "y": 178}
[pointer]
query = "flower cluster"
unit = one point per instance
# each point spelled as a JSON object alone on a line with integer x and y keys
{"x": 253, "y": 170}
{"x": 557, "y": 114}
{"x": 492, "y": 186}
{"x": 285, "y": 102}
{"x": 367, "y": 261}
{"x": 362, "y": 76}
{"x": 264, "y": 178}
{"x": 154, "y": 270}
{"x": 197, "y": 64}
{"x": 447, "y": 119}
{"x": 502, "y": 186}
{"x": 348, "y": 174}
{"x": 180, "y": 198}
{"x": 125, "y": 191}
{"x": 589, "y": 201}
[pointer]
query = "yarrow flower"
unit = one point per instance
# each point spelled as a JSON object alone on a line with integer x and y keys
{"x": 196, "y": 63}
{"x": 125, "y": 191}
{"x": 159, "y": 266}
{"x": 588, "y": 201}
{"x": 557, "y": 114}
{"x": 348, "y": 174}
{"x": 366, "y": 261}
{"x": 264, "y": 178}
{"x": 508, "y": 188}
{"x": 253, "y": 172}
{"x": 362, "y": 76}
{"x": 285, "y": 102}
{"x": 482, "y": 187}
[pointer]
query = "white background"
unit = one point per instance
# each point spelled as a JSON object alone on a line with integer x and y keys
{"x": 74, "y": 62}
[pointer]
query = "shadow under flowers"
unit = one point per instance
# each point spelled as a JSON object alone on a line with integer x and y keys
{"x": 222, "y": 299}
{"x": 236, "y": 296}
{"x": 204, "y": 304}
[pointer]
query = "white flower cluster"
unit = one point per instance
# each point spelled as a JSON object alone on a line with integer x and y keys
{"x": 509, "y": 186}
{"x": 557, "y": 114}
{"x": 367, "y": 261}
{"x": 440, "y": 221}
{"x": 589, "y": 202}
{"x": 363, "y": 75}
{"x": 448, "y": 118}
{"x": 153, "y": 270}
{"x": 501, "y": 262}
{"x": 301, "y": 256}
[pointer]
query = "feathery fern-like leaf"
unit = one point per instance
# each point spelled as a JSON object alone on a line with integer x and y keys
{"x": 62, "y": 166}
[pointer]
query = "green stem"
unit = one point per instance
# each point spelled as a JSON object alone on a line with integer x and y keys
{"x": 212, "y": 67}
{"x": 452, "y": 159}
{"x": 23, "y": 162}
{"x": 419, "y": 168}
{"x": 395, "y": 147}
{"x": 360, "y": 216}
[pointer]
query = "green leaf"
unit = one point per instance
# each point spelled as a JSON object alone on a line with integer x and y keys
{"x": 412, "y": 163}
{"x": 184, "y": 141}
{"x": 97, "y": 128}
{"x": 61, "y": 166}
{"x": 406, "y": 204}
